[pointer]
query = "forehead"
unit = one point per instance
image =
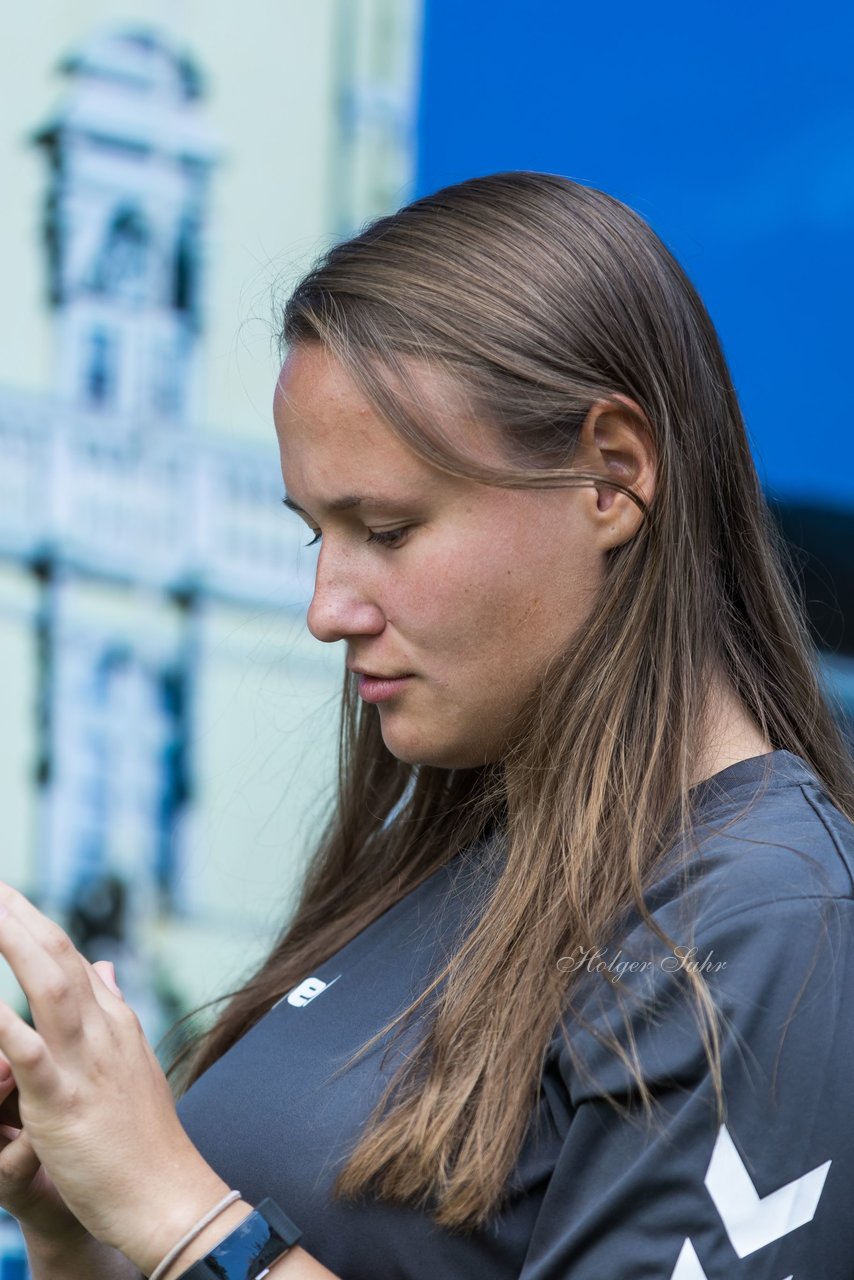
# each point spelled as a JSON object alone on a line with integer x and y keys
{"x": 316, "y": 394}
{"x": 332, "y": 439}
{"x": 328, "y": 431}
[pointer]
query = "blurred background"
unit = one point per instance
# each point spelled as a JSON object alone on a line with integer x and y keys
{"x": 167, "y": 726}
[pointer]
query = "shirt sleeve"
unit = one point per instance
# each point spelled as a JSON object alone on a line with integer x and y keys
{"x": 765, "y": 1193}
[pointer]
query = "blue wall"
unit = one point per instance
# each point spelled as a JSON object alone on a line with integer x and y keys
{"x": 730, "y": 128}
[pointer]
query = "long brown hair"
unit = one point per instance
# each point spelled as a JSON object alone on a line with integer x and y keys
{"x": 535, "y": 297}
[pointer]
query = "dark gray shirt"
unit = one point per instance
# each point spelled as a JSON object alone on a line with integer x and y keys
{"x": 766, "y": 1195}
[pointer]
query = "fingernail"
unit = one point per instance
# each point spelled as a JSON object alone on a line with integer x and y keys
{"x": 109, "y": 979}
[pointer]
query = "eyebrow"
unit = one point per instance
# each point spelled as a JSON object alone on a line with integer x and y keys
{"x": 346, "y": 503}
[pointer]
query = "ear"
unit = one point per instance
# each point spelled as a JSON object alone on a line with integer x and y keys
{"x": 616, "y": 440}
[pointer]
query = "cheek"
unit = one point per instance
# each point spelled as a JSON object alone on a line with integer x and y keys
{"x": 533, "y": 596}
{"x": 445, "y": 600}
{"x": 473, "y": 605}
{"x": 500, "y": 593}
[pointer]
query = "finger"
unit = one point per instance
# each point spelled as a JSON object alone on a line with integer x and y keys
{"x": 7, "y": 1082}
{"x": 8, "y": 1095}
{"x": 106, "y": 978}
{"x": 46, "y": 932}
{"x": 36, "y": 921}
{"x": 19, "y": 1163}
{"x": 9, "y": 1109}
{"x": 28, "y": 1054}
{"x": 51, "y": 974}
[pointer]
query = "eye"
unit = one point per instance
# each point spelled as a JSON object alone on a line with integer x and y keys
{"x": 384, "y": 538}
{"x": 390, "y": 537}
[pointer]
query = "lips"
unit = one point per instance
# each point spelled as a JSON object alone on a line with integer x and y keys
{"x": 378, "y": 675}
{"x": 381, "y": 689}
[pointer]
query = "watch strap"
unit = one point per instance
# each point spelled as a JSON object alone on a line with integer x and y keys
{"x": 250, "y": 1250}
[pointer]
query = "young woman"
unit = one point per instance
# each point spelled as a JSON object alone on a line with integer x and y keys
{"x": 569, "y": 991}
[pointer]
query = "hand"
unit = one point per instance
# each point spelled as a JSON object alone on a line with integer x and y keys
{"x": 94, "y": 1102}
{"x": 26, "y": 1189}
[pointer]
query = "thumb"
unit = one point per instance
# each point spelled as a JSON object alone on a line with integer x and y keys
{"x": 19, "y": 1163}
{"x": 106, "y": 971}
{"x": 8, "y": 1088}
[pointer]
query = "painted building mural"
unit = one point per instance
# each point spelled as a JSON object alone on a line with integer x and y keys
{"x": 150, "y": 584}
{"x": 167, "y": 726}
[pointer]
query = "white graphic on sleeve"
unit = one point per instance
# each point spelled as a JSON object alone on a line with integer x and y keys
{"x": 307, "y": 990}
{"x": 688, "y": 1265}
{"x": 749, "y": 1220}
{"x": 752, "y": 1221}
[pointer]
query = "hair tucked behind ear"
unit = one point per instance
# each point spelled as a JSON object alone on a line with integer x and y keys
{"x": 534, "y": 297}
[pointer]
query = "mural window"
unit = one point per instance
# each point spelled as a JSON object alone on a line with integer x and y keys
{"x": 101, "y": 367}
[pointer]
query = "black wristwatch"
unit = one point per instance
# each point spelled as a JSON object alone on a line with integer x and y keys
{"x": 251, "y": 1249}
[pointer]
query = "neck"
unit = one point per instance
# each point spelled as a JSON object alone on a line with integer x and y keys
{"x": 730, "y": 733}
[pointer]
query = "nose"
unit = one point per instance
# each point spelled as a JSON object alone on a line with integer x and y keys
{"x": 341, "y": 604}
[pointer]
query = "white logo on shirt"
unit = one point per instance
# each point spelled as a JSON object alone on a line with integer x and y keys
{"x": 688, "y": 1265}
{"x": 751, "y": 1221}
{"x": 307, "y": 990}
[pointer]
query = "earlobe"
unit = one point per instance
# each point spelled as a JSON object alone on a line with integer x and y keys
{"x": 621, "y": 518}
{"x": 617, "y": 443}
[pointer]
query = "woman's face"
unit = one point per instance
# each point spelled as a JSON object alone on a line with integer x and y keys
{"x": 457, "y": 592}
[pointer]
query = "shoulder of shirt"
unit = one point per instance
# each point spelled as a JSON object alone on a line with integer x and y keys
{"x": 771, "y": 873}
{"x": 759, "y": 843}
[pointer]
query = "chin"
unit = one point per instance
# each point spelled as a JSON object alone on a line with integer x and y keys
{"x": 436, "y": 754}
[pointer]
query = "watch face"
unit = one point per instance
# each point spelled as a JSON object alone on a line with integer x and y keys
{"x": 248, "y": 1253}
